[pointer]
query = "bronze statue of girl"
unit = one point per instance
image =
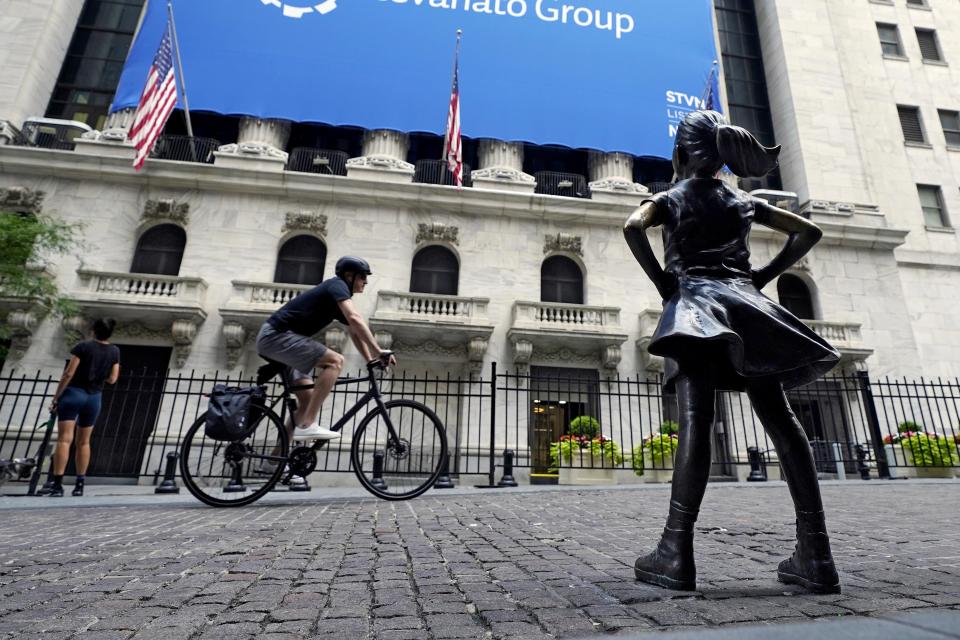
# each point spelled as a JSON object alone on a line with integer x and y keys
{"x": 718, "y": 332}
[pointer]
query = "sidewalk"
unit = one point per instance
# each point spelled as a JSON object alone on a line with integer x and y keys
{"x": 528, "y": 563}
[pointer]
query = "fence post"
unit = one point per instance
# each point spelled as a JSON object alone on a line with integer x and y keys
{"x": 169, "y": 484}
{"x": 35, "y": 479}
{"x": 883, "y": 468}
{"x": 493, "y": 422}
{"x": 377, "y": 480}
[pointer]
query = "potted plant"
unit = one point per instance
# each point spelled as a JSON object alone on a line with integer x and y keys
{"x": 926, "y": 454}
{"x": 583, "y": 456}
{"x": 655, "y": 454}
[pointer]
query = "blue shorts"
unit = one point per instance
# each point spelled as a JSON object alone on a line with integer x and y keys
{"x": 77, "y": 404}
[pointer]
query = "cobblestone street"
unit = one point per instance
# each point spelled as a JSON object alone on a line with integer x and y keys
{"x": 499, "y": 564}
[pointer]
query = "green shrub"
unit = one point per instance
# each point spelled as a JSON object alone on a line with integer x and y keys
{"x": 669, "y": 428}
{"x": 909, "y": 425}
{"x": 568, "y": 446}
{"x": 929, "y": 450}
{"x": 585, "y": 426}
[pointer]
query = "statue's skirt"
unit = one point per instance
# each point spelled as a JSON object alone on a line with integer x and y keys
{"x": 726, "y": 324}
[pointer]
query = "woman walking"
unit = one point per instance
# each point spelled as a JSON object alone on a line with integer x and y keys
{"x": 77, "y": 401}
{"x": 718, "y": 332}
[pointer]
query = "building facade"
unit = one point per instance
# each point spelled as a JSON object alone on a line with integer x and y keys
{"x": 193, "y": 253}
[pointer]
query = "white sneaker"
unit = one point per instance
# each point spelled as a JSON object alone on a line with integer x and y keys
{"x": 266, "y": 468}
{"x": 314, "y": 432}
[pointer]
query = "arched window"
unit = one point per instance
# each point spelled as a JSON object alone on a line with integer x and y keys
{"x": 301, "y": 261}
{"x": 160, "y": 250}
{"x": 795, "y": 296}
{"x": 561, "y": 281}
{"x": 435, "y": 270}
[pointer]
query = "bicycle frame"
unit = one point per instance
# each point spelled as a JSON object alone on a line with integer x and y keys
{"x": 289, "y": 405}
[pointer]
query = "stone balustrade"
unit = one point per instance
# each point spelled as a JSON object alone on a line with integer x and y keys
{"x": 431, "y": 307}
{"x": 842, "y": 333}
{"x": 576, "y": 317}
{"x": 137, "y": 288}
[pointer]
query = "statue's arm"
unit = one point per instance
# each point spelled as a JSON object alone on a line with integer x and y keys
{"x": 801, "y": 236}
{"x": 635, "y": 231}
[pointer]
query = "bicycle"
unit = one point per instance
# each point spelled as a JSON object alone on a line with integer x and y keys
{"x": 397, "y": 450}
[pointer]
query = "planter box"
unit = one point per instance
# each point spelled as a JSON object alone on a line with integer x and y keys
{"x": 896, "y": 455}
{"x": 587, "y": 469}
{"x": 662, "y": 473}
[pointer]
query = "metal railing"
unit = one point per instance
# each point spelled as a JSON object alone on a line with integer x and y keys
{"x": 571, "y": 185}
{"x": 311, "y": 160}
{"x": 437, "y": 172}
{"x": 884, "y": 427}
{"x": 185, "y": 149}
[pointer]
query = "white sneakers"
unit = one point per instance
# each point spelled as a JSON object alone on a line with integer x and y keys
{"x": 314, "y": 432}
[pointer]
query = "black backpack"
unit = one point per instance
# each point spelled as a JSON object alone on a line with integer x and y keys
{"x": 229, "y": 415}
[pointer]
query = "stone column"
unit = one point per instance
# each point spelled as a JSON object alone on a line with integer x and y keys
{"x": 260, "y": 146}
{"x": 501, "y": 167}
{"x": 384, "y": 157}
{"x": 611, "y": 174}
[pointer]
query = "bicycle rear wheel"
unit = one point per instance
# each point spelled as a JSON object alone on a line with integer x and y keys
{"x": 232, "y": 474}
{"x": 405, "y": 467}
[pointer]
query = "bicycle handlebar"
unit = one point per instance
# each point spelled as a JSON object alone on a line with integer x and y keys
{"x": 381, "y": 362}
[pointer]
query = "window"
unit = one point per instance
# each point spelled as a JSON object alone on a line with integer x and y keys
{"x": 746, "y": 81}
{"x": 931, "y": 201}
{"x": 890, "y": 39}
{"x": 795, "y": 296}
{"x": 917, "y": 3}
{"x": 435, "y": 270}
{"x": 94, "y": 60}
{"x": 929, "y": 47}
{"x": 160, "y": 250}
{"x": 950, "y": 120}
{"x": 561, "y": 281}
{"x": 301, "y": 261}
{"x": 910, "y": 123}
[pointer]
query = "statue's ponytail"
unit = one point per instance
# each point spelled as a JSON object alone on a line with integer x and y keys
{"x": 745, "y": 156}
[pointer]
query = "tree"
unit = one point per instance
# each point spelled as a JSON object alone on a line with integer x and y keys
{"x": 27, "y": 241}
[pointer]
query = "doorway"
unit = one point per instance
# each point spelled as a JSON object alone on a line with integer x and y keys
{"x": 557, "y": 396}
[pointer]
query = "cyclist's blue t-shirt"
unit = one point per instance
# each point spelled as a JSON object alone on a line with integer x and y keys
{"x": 314, "y": 309}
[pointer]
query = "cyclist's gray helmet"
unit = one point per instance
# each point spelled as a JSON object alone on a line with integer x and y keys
{"x": 352, "y": 263}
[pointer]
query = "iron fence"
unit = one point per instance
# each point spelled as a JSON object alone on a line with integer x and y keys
{"x": 311, "y": 160}
{"x": 551, "y": 420}
{"x": 438, "y": 172}
{"x": 185, "y": 149}
{"x": 553, "y": 183}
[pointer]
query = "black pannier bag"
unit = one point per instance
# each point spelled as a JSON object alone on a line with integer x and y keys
{"x": 228, "y": 413}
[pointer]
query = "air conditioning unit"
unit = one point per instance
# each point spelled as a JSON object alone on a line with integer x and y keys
{"x": 52, "y": 133}
{"x": 782, "y": 199}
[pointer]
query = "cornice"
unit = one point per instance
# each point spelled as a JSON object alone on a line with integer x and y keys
{"x": 330, "y": 189}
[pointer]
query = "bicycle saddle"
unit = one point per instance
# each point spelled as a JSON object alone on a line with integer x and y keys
{"x": 269, "y": 371}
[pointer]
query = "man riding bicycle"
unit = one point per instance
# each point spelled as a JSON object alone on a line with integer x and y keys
{"x": 285, "y": 338}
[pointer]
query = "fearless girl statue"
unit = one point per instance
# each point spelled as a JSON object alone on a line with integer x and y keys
{"x": 718, "y": 332}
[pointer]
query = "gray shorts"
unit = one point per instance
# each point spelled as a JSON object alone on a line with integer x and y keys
{"x": 298, "y": 352}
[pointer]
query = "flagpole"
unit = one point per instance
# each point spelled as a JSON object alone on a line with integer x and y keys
{"x": 180, "y": 78}
{"x": 453, "y": 83}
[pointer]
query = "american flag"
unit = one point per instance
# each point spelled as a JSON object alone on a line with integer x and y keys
{"x": 452, "y": 145}
{"x": 157, "y": 101}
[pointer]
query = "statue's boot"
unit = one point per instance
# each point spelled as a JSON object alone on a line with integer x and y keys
{"x": 671, "y": 564}
{"x": 811, "y": 565}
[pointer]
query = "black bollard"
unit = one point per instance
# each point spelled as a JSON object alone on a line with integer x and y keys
{"x": 758, "y": 467}
{"x": 507, "y": 479}
{"x": 299, "y": 485}
{"x": 169, "y": 484}
{"x": 236, "y": 480}
{"x": 443, "y": 480}
{"x": 377, "y": 481}
{"x": 862, "y": 466}
{"x": 48, "y": 485}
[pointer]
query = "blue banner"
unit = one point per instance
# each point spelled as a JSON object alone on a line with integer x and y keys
{"x": 612, "y": 75}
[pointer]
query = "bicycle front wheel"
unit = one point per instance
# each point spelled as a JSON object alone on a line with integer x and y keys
{"x": 402, "y": 462}
{"x": 232, "y": 474}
